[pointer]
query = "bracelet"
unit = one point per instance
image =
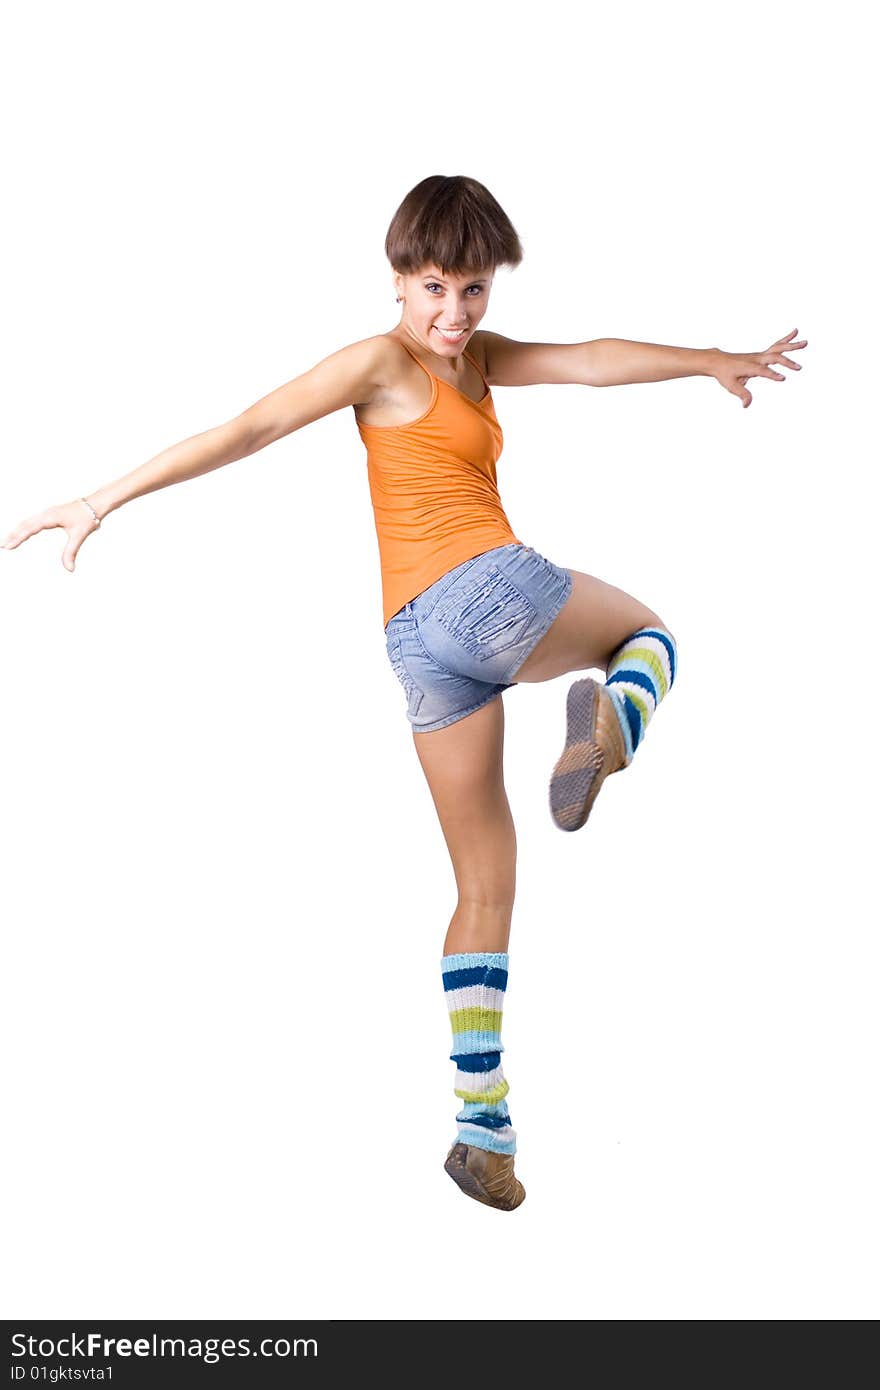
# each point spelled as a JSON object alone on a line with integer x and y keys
{"x": 92, "y": 510}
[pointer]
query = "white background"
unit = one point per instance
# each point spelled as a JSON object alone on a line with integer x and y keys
{"x": 225, "y": 890}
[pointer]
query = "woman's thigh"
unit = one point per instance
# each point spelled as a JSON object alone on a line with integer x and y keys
{"x": 478, "y": 623}
{"x": 463, "y": 765}
{"x": 592, "y": 623}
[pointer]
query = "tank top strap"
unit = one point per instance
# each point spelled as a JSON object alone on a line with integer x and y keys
{"x": 473, "y": 360}
{"x": 429, "y": 375}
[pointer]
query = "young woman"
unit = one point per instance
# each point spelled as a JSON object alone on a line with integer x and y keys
{"x": 469, "y": 609}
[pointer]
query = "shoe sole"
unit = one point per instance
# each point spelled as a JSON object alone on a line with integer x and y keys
{"x": 581, "y": 769}
{"x": 456, "y": 1167}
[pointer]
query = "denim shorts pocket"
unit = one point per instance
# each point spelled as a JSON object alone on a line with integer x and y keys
{"x": 486, "y": 614}
{"x": 429, "y": 598}
{"x": 414, "y": 695}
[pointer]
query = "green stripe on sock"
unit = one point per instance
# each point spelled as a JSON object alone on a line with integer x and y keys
{"x": 475, "y": 1020}
{"x": 650, "y": 658}
{"x": 486, "y": 1097}
{"x": 640, "y": 704}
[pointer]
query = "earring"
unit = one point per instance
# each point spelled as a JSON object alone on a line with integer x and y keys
{"x": 399, "y": 300}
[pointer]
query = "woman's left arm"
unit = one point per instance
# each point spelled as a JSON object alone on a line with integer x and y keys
{"x": 618, "y": 362}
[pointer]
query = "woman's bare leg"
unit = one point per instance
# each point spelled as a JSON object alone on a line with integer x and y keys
{"x": 595, "y": 619}
{"x": 463, "y": 764}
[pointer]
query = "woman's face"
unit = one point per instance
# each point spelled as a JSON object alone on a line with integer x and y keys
{"x": 435, "y": 302}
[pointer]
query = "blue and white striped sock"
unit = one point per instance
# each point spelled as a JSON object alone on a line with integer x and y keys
{"x": 639, "y": 674}
{"x": 474, "y": 983}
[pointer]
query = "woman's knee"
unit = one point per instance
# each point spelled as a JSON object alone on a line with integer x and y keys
{"x": 652, "y": 620}
{"x": 485, "y": 871}
{"x": 483, "y": 848}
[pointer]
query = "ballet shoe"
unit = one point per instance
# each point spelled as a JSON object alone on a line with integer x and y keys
{"x": 485, "y": 1175}
{"x": 594, "y": 748}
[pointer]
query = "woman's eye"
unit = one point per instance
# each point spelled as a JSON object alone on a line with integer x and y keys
{"x": 434, "y": 286}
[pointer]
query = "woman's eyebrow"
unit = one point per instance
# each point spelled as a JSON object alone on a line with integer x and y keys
{"x": 440, "y": 280}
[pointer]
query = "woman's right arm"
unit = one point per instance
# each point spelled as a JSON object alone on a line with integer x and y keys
{"x": 350, "y": 376}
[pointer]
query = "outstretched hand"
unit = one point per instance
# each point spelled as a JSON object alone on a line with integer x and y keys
{"x": 733, "y": 369}
{"x": 74, "y": 517}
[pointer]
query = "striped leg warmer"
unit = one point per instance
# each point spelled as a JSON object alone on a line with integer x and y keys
{"x": 474, "y": 983}
{"x": 639, "y": 674}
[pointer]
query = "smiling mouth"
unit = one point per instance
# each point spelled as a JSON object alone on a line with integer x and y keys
{"x": 451, "y": 337}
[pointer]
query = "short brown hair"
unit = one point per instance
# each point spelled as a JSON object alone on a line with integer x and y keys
{"x": 454, "y": 223}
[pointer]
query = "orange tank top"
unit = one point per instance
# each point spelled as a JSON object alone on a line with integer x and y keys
{"x": 434, "y": 491}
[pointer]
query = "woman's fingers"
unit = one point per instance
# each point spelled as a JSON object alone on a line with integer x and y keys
{"x": 784, "y": 343}
{"x": 70, "y": 517}
{"x": 29, "y": 527}
{"x": 734, "y": 369}
{"x": 766, "y": 369}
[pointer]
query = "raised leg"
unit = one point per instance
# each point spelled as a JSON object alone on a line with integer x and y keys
{"x": 601, "y": 626}
{"x": 591, "y": 625}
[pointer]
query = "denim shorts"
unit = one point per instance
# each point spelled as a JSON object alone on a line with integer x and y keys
{"x": 461, "y": 641}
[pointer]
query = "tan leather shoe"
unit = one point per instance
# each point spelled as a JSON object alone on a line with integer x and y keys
{"x": 594, "y": 748}
{"x": 485, "y": 1176}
